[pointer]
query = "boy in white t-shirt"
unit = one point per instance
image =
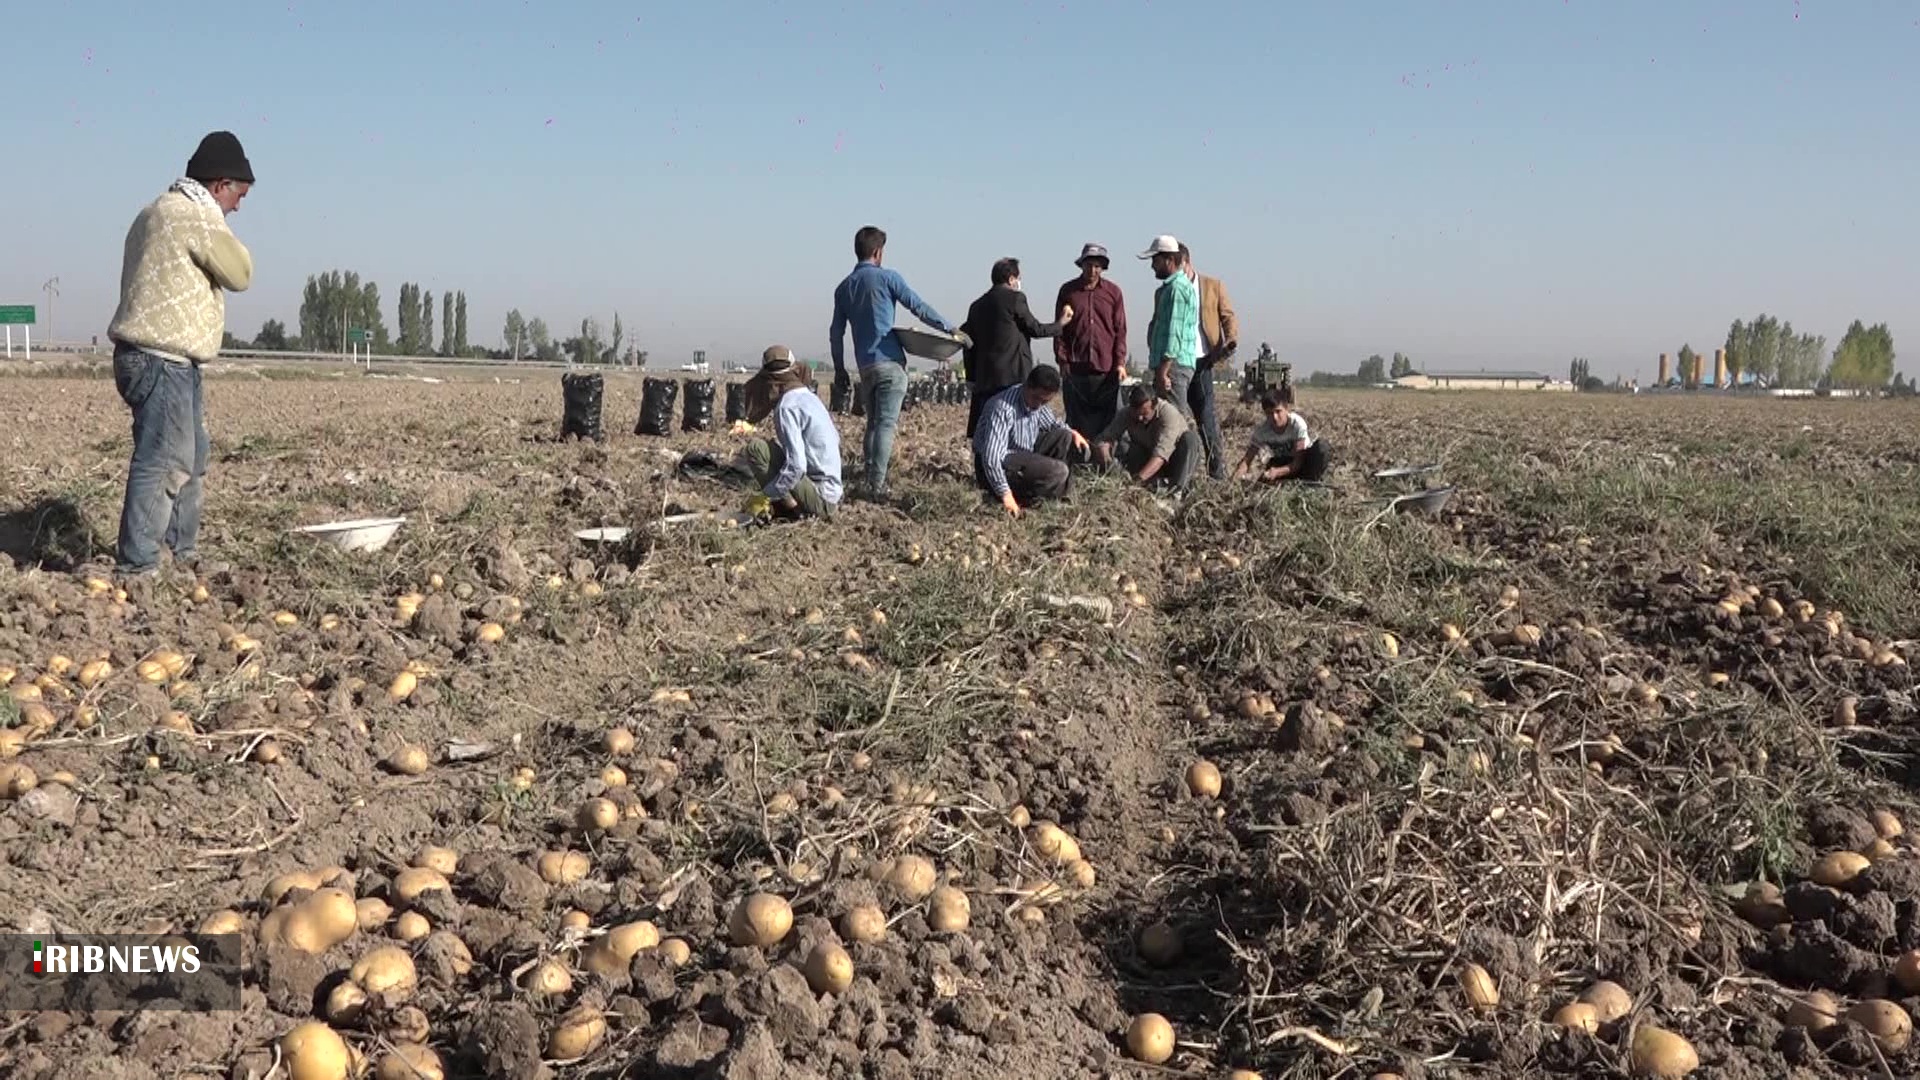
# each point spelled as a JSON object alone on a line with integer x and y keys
{"x": 1290, "y": 450}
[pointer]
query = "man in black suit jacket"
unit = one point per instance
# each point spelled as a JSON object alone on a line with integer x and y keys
{"x": 1002, "y": 328}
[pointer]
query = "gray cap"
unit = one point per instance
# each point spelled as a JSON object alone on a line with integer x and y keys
{"x": 1093, "y": 251}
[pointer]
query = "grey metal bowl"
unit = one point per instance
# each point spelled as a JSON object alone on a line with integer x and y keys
{"x": 930, "y": 344}
{"x": 1429, "y": 501}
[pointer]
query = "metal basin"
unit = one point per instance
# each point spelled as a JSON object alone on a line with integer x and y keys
{"x": 930, "y": 344}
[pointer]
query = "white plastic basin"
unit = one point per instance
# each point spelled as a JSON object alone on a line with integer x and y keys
{"x": 365, "y": 534}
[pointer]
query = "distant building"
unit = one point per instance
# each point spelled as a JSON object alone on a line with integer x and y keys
{"x": 1479, "y": 380}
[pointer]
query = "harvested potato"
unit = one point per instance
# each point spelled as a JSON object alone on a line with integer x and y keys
{"x": 1659, "y": 1053}
{"x": 346, "y": 1003}
{"x": 1203, "y": 780}
{"x": 1482, "y": 992}
{"x": 829, "y": 969}
{"x": 410, "y": 884}
{"x": 1150, "y": 1039}
{"x": 411, "y": 926}
{"x": 371, "y": 913}
{"x": 1816, "y": 1012}
{"x": 324, "y": 919}
{"x": 562, "y": 867}
{"x": 1888, "y": 1023}
{"x": 409, "y": 1061}
{"x": 548, "y": 978}
{"x": 1053, "y": 842}
{"x": 1160, "y": 945}
{"x": 1836, "y": 869}
{"x": 578, "y": 1034}
{"x": 597, "y": 815}
{"x": 618, "y": 741}
{"x": 1610, "y": 1000}
{"x": 408, "y": 760}
{"x": 675, "y": 952}
{"x": 913, "y": 875}
{"x": 386, "y": 971}
{"x": 1577, "y": 1016}
{"x": 948, "y": 910}
{"x": 314, "y": 1051}
{"x": 225, "y": 921}
{"x": 613, "y": 951}
{"x": 761, "y": 920}
{"x": 443, "y": 861}
{"x": 863, "y": 924}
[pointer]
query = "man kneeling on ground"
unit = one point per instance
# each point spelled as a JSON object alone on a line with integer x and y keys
{"x": 1161, "y": 449}
{"x": 800, "y": 471}
{"x": 1021, "y": 449}
{"x": 1291, "y": 451}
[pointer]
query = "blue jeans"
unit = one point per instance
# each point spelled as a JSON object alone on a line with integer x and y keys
{"x": 882, "y": 388}
{"x": 170, "y": 452}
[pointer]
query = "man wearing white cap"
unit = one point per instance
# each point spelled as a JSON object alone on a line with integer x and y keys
{"x": 1174, "y": 334}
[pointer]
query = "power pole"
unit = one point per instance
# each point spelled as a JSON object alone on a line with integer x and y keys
{"x": 52, "y": 289}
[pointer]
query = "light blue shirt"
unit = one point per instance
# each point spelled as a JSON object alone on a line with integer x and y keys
{"x": 864, "y": 302}
{"x": 811, "y": 443}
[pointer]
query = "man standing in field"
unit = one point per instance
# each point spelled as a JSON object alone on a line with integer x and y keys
{"x": 1174, "y": 334}
{"x": 179, "y": 258}
{"x": 864, "y": 303}
{"x": 1219, "y": 340}
{"x": 1092, "y": 351}
{"x": 1001, "y": 325}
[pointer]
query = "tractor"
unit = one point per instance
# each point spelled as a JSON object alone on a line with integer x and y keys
{"x": 1262, "y": 373}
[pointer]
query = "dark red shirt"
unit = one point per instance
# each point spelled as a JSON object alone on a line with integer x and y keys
{"x": 1095, "y": 342}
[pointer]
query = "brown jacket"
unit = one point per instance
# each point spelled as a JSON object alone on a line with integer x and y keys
{"x": 1218, "y": 326}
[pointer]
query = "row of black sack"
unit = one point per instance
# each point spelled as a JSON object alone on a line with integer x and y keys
{"x": 582, "y": 393}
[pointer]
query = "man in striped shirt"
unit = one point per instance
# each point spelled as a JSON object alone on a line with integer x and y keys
{"x": 1021, "y": 449}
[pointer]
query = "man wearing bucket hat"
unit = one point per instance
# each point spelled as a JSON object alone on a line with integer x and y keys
{"x": 798, "y": 473}
{"x": 1091, "y": 352}
{"x": 179, "y": 261}
{"x": 1174, "y": 334}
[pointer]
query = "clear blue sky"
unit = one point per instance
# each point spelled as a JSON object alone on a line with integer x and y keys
{"x": 1498, "y": 183}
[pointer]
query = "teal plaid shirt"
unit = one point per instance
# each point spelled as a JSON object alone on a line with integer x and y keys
{"x": 1176, "y": 322}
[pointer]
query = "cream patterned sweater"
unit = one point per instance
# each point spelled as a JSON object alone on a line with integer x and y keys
{"x": 180, "y": 256}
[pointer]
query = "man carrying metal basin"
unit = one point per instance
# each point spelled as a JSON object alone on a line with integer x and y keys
{"x": 864, "y": 303}
{"x": 180, "y": 260}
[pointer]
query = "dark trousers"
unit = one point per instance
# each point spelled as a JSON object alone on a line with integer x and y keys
{"x": 1037, "y": 475}
{"x": 1176, "y": 473}
{"x": 1313, "y": 469}
{"x": 1206, "y": 420}
{"x": 1091, "y": 400}
{"x": 170, "y": 452}
{"x": 981, "y": 394}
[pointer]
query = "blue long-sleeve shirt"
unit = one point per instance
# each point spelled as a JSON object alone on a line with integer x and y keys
{"x": 811, "y": 443}
{"x": 864, "y": 302}
{"x": 1006, "y": 425}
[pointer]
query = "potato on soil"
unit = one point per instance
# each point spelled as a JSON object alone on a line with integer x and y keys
{"x": 913, "y": 875}
{"x": 864, "y": 924}
{"x": 346, "y": 1003}
{"x": 829, "y": 969}
{"x": 371, "y": 912}
{"x": 562, "y": 867}
{"x": 411, "y": 926}
{"x": 1609, "y": 999}
{"x": 314, "y": 1051}
{"x": 1815, "y": 1011}
{"x": 444, "y": 861}
{"x": 1160, "y": 945}
{"x": 948, "y": 910}
{"x": 1150, "y": 1039}
{"x": 548, "y": 978}
{"x": 409, "y": 1061}
{"x": 613, "y": 951}
{"x": 578, "y": 1034}
{"x": 1482, "y": 993}
{"x": 1838, "y": 868}
{"x": 597, "y": 815}
{"x": 1203, "y": 780}
{"x": 324, "y": 919}
{"x": 761, "y": 920}
{"x": 410, "y": 884}
{"x": 386, "y": 971}
{"x": 675, "y": 952}
{"x": 408, "y": 761}
{"x": 1053, "y": 842}
{"x": 16, "y": 780}
{"x": 1577, "y": 1016}
{"x": 618, "y": 741}
{"x": 1886, "y": 824}
{"x": 224, "y": 921}
{"x": 1888, "y": 1023}
{"x": 1659, "y": 1053}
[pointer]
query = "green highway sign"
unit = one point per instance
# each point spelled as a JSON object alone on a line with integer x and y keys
{"x": 359, "y": 337}
{"x": 16, "y": 315}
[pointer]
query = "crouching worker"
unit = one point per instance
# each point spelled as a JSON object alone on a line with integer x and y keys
{"x": 1289, "y": 451}
{"x": 1021, "y": 449}
{"x": 1161, "y": 449}
{"x": 799, "y": 472}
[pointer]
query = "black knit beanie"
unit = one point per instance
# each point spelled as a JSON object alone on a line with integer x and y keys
{"x": 219, "y": 158}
